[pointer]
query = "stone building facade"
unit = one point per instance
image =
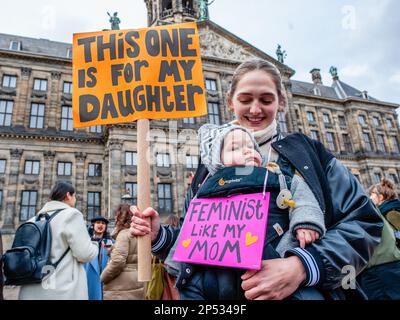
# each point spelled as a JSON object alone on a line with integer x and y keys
{"x": 39, "y": 146}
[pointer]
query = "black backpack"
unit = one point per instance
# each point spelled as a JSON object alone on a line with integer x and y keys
{"x": 30, "y": 252}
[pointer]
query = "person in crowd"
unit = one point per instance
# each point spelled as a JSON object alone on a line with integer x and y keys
{"x": 68, "y": 230}
{"x": 94, "y": 268}
{"x": 120, "y": 277}
{"x": 381, "y": 279}
{"x": 353, "y": 225}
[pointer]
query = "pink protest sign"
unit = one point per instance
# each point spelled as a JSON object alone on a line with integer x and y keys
{"x": 226, "y": 232}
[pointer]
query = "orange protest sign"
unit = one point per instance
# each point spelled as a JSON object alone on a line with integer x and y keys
{"x": 124, "y": 75}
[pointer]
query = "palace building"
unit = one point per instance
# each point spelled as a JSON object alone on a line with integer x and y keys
{"x": 39, "y": 146}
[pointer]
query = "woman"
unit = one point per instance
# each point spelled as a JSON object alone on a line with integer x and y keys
{"x": 120, "y": 275}
{"x": 68, "y": 230}
{"x": 353, "y": 226}
{"x": 99, "y": 234}
{"x": 381, "y": 280}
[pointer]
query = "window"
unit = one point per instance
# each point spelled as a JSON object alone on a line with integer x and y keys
{"x": 376, "y": 122}
{"x": 377, "y": 177}
{"x": 1, "y": 197}
{"x": 9, "y": 81}
{"x": 94, "y": 169}
{"x": 40, "y": 85}
{"x": 15, "y": 45}
{"x": 130, "y": 158}
{"x": 213, "y": 113}
{"x": 189, "y": 120}
{"x": 163, "y": 160}
{"x": 211, "y": 85}
{"x": 393, "y": 177}
{"x": 164, "y": 197}
{"x": 131, "y": 188}
{"x": 310, "y": 116}
{"x": 3, "y": 166}
{"x": 282, "y": 122}
{"x": 326, "y": 118}
{"x": 395, "y": 144}
{"x": 28, "y": 205}
{"x": 64, "y": 168}
{"x": 297, "y": 114}
{"x": 330, "y": 139}
{"x": 67, "y": 88}
{"x": 342, "y": 121}
{"x": 95, "y": 129}
{"x": 381, "y": 143}
{"x": 347, "y": 143}
{"x": 315, "y": 135}
{"x": 367, "y": 142}
{"x": 362, "y": 120}
{"x": 69, "y": 53}
{"x": 192, "y": 162}
{"x": 66, "y": 118}
{"x": 93, "y": 205}
{"x": 389, "y": 123}
{"x": 37, "y": 116}
{"x": 6, "y": 109}
{"x": 32, "y": 167}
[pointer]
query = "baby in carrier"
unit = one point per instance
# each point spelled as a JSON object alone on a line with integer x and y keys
{"x": 234, "y": 146}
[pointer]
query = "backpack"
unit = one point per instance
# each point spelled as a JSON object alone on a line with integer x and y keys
{"x": 30, "y": 252}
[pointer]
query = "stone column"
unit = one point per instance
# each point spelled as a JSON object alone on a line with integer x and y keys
{"x": 47, "y": 175}
{"x": 53, "y": 101}
{"x": 11, "y": 215}
{"x": 21, "y": 104}
{"x": 80, "y": 184}
{"x": 115, "y": 178}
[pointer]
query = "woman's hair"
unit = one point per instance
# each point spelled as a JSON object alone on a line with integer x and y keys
{"x": 386, "y": 188}
{"x": 258, "y": 64}
{"x": 60, "y": 190}
{"x": 172, "y": 220}
{"x": 123, "y": 217}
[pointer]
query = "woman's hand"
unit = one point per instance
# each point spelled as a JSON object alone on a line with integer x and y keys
{"x": 146, "y": 222}
{"x": 276, "y": 280}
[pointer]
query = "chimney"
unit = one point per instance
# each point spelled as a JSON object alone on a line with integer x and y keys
{"x": 316, "y": 76}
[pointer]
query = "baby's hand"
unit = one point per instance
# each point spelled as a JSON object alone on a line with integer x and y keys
{"x": 306, "y": 236}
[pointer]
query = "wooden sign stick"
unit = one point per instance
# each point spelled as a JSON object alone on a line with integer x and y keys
{"x": 143, "y": 181}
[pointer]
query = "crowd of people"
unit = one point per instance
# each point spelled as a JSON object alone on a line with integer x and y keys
{"x": 327, "y": 220}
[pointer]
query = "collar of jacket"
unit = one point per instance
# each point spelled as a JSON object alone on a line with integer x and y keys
{"x": 310, "y": 159}
{"x": 389, "y": 205}
{"x": 54, "y": 205}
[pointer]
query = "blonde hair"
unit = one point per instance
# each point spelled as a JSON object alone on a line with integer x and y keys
{"x": 386, "y": 188}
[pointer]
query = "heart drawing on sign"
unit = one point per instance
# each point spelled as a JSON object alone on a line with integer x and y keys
{"x": 250, "y": 239}
{"x": 186, "y": 243}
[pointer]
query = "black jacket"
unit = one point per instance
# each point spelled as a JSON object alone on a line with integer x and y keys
{"x": 353, "y": 225}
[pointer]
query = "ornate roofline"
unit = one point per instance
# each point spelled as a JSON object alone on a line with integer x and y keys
{"x": 35, "y": 57}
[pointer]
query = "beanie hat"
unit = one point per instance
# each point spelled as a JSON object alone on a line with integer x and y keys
{"x": 211, "y": 138}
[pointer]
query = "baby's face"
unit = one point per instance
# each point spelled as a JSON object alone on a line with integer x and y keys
{"x": 238, "y": 150}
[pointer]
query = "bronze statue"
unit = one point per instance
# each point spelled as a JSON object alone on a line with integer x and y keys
{"x": 281, "y": 54}
{"x": 333, "y": 71}
{"x": 114, "y": 20}
{"x": 204, "y": 4}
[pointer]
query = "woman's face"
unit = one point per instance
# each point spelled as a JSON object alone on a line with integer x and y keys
{"x": 255, "y": 101}
{"x": 376, "y": 198}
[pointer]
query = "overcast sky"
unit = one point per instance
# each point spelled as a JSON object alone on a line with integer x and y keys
{"x": 360, "y": 37}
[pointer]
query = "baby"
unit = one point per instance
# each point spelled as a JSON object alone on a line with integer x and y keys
{"x": 230, "y": 145}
